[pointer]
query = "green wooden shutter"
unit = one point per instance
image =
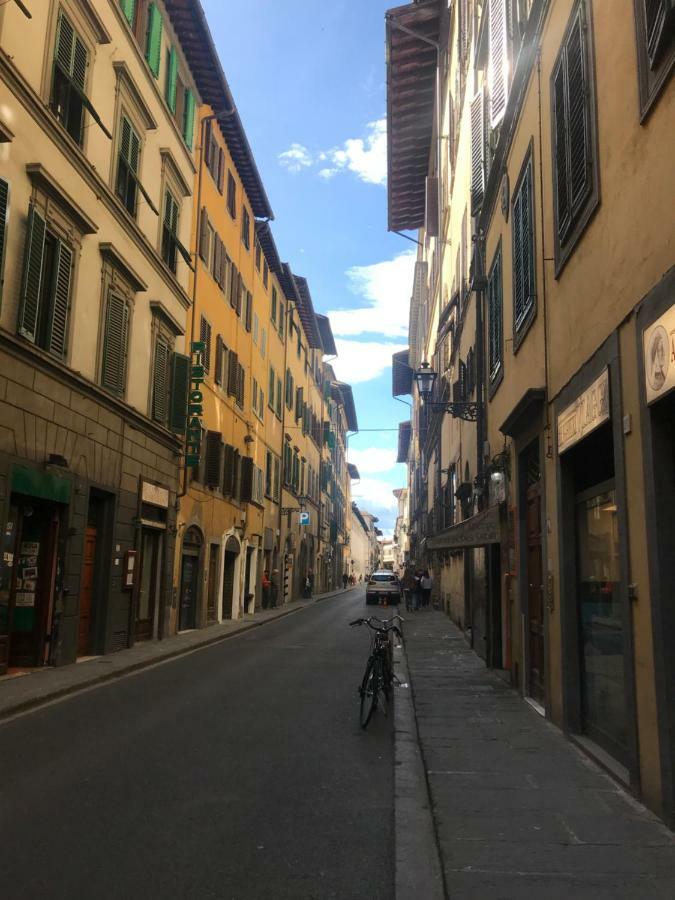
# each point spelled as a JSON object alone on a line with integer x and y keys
{"x": 115, "y": 344}
{"x": 65, "y": 38}
{"x": 153, "y": 39}
{"x": 160, "y": 377}
{"x": 189, "y": 117}
{"x": 171, "y": 79}
{"x": 232, "y": 374}
{"x": 58, "y": 326}
{"x": 228, "y": 469}
{"x": 246, "y": 480}
{"x": 32, "y": 274}
{"x": 214, "y": 459}
{"x": 4, "y": 208}
{"x": 180, "y": 382}
{"x": 129, "y": 10}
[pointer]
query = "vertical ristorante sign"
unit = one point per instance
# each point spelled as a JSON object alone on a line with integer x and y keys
{"x": 195, "y": 408}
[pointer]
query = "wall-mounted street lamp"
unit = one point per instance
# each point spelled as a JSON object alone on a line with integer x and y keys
{"x": 460, "y": 409}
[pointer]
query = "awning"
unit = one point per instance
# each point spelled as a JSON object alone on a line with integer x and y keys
{"x": 401, "y": 374}
{"x": 478, "y": 531}
{"x": 411, "y": 84}
{"x": 403, "y": 442}
{"x": 353, "y": 472}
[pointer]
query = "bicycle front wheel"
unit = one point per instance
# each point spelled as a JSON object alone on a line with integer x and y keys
{"x": 369, "y": 690}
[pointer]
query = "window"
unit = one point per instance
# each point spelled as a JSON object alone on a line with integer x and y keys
{"x": 160, "y": 379}
{"x": 278, "y": 404}
{"x": 128, "y": 165}
{"x": 68, "y": 97}
{"x": 116, "y": 345}
{"x": 153, "y": 38}
{"x": 245, "y": 228}
{"x": 256, "y": 328}
{"x": 205, "y": 338}
{"x": 498, "y": 66}
{"x": 258, "y": 253}
{"x": 206, "y": 235}
{"x": 263, "y": 342}
{"x": 282, "y": 315}
{"x": 248, "y": 310}
{"x": 273, "y": 307}
{"x": 495, "y": 322}
{"x": 170, "y": 242}
{"x": 522, "y": 228}
{"x": 575, "y": 179}
{"x": 266, "y": 272}
{"x": 271, "y": 390}
{"x": 221, "y": 367}
{"x": 289, "y": 389}
{"x": 232, "y": 374}
{"x": 477, "y": 152}
{"x": 231, "y": 195}
{"x": 299, "y": 403}
{"x": 655, "y": 30}
{"x": 214, "y": 156}
{"x": 45, "y": 288}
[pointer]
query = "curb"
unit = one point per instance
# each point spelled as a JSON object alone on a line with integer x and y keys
{"x": 48, "y": 696}
{"x": 418, "y": 870}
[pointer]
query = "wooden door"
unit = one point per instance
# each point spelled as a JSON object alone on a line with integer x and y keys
{"x": 87, "y": 591}
{"x": 188, "y": 591}
{"x": 212, "y": 600}
{"x": 535, "y": 594}
{"x": 147, "y": 584}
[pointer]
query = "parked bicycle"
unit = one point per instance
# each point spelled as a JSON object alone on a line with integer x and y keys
{"x": 379, "y": 675}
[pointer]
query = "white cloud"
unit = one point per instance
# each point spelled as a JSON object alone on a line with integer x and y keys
{"x": 359, "y": 361}
{"x": 386, "y": 287}
{"x": 365, "y": 157}
{"x": 374, "y": 495}
{"x": 296, "y": 158}
{"x": 373, "y": 459}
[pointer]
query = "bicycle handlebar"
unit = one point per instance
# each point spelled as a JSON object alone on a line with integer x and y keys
{"x": 386, "y": 623}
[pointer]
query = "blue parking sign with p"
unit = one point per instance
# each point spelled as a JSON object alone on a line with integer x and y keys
{"x": 304, "y": 518}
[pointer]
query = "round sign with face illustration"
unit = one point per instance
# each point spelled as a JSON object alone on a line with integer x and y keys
{"x": 657, "y": 358}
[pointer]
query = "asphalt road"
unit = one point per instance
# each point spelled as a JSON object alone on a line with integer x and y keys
{"x": 237, "y": 772}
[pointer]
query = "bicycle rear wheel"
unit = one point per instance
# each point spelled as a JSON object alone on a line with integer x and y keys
{"x": 369, "y": 690}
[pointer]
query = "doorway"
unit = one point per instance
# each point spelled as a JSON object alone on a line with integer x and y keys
{"x": 87, "y": 591}
{"x": 212, "y": 599}
{"x": 534, "y": 573}
{"x": 229, "y": 570}
{"x": 189, "y": 579}
{"x": 149, "y": 583}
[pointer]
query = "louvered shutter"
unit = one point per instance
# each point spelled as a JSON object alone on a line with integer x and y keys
{"x": 224, "y": 259}
{"x": 172, "y": 79}
{"x": 214, "y": 462}
{"x": 498, "y": 71}
{"x": 221, "y": 169}
{"x": 477, "y": 152}
{"x": 431, "y": 208}
{"x": 215, "y": 262}
{"x": 249, "y": 310}
{"x": 240, "y": 290}
{"x": 218, "y": 373}
{"x": 495, "y": 322}
{"x": 205, "y": 338}
{"x": 241, "y": 378}
{"x": 518, "y": 290}
{"x": 236, "y": 474}
{"x": 578, "y": 116}
{"x": 208, "y": 145}
{"x": 204, "y": 236}
{"x": 299, "y": 399}
{"x": 561, "y": 165}
{"x": 115, "y": 345}
{"x": 160, "y": 381}
{"x": 189, "y": 118}
{"x": 32, "y": 274}
{"x": 234, "y": 286}
{"x": 232, "y": 374}
{"x": 4, "y": 209}
{"x": 180, "y": 383}
{"x": 153, "y": 41}
{"x": 228, "y": 469}
{"x": 657, "y": 13}
{"x": 60, "y": 300}
{"x": 129, "y": 10}
{"x": 246, "y": 479}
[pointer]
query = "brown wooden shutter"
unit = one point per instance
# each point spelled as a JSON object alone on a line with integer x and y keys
{"x": 32, "y": 274}
{"x": 205, "y": 337}
{"x": 228, "y": 469}
{"x": 214, "y": 462}
{"x": 236, "y": 474}
{"x": 431, "y": 208}
{"x": 477, "y": 152}
{"x": 159, "y": 380}
{"x": 249, "y": 310}
{"x": 234, "y": 286}
{"x": 4, "y": 207}
{"x": 221, "y": 169}
{"x": 299, "y": 396}
{"x": 180, "y": 383}
{"x": 232, "y": 374}
{"x": 246, "y": 479}
{"x": 115, "y": 345}
{"x": 241, "y": 386}
{"x": 60, "y": 301}
{"x": 204, "y": 235}
{"x": 218, "y": 373}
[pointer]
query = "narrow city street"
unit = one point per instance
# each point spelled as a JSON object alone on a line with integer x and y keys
{"x": 237, "y": 772}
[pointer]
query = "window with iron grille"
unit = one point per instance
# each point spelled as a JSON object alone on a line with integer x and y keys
{"x": 574, "y": 138}
{"x": 495, "y": 322}
{"x": 655, "y": 34}
{"x": 522, "y": 230}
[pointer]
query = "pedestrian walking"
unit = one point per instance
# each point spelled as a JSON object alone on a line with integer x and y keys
{"x": 408, "y": 585}
{"x": 275, "y": 588}
{"x": 345, "y": 580}
{"x": 417, "y": 590}
{"x": 425, "y": 585}
{"x": 309, "y": 585}
{"x": 266, "y": 590}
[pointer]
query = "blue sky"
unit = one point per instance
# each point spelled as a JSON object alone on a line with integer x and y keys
{"x": 309, "y": 81}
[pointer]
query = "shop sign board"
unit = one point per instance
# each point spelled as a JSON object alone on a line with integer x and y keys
{"x": 155, "y": 495}
{"x": 195, "y": 413}
{"x": 588, "y": 412}
{"x": 658, "y": 342}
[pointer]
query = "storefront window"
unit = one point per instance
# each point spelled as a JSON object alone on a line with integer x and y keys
{"x": 601, "y": 621}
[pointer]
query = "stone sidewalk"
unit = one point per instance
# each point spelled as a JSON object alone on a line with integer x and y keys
{"x": 21, "y": 692}
{"x": 518, "y": 811}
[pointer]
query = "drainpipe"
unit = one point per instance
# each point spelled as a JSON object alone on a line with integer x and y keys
{"x": 289, "y": 310}
{"x": 479, "y": 285}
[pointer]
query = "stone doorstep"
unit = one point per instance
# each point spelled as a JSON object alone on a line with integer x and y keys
{"x": 19, "y": 694}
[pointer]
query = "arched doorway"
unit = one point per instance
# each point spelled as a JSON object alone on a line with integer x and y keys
{"x": 229, "y": 571}
{"x": 189, "y": 579}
